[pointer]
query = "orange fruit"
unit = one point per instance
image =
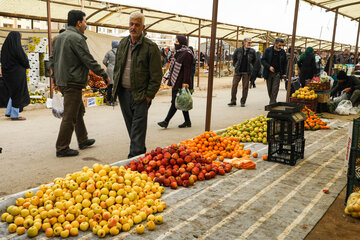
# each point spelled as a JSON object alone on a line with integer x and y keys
{"x": 265, "y": 157}
{"x": 255, "y": 155}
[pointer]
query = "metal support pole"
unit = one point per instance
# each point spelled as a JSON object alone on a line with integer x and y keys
{"x": 50, "y": 41}
{"x": 217, "y": 55}
{"x": 357, "y": 42}
{"x": 267, "y": 40}
{"x": 287, "y": 43}
{"x": 237, "y": 36}
{"x": 292, "y": 50}
{"x": 305, "y": 43}
{"x": 333, "y": 42}
{"x": 32, "y": 24}
{"x": 198, "y": 75}
{"x": 206, "y": 52}
{"x": 211, "y": 66}
{"x": 187, "y": 39}
{"x": 319, "y": 46}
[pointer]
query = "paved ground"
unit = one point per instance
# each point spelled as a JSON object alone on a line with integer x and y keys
{"x": 274, "y": 201}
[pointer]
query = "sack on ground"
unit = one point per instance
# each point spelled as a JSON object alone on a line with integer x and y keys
{"x": 183, "y": 100}
{"x": 354, "y": 110}
{"x": 344, "y": 107}
{"x": 58, "y": 105}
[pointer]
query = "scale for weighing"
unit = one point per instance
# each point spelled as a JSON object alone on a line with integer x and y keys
{"x": 285, "y": 132}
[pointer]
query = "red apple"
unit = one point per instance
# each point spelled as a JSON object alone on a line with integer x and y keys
{"x": 165, "y": 161}
{"x": 207, "y": 176}
{"x": 194, "y": 177}
{"x": 152, "y": 175}
{"x": 182, "y": 170}
{"x": 191, "y": 180}
{"x": 172, "y": 161}
{"x": 152, "y": 164}
{"x": 195, "y": 171}
{"x": 167, "y": 155}
{"x": 186, "y": 183}
{"x": 179, "y": 181}
{"x": 187, "y": 159}
{"x": 148, "y": 169}
{"x": 174, "y": 146}
{"x": 168, "y": 173}
{"x": 175, "y": 156}
{"x": 185, "y": 176}
{"x": 174, "y": 185}
{"x": 212, "y": 174}
{"x": 201, "y": 176}
{"x": 162, "y": 170}
{"x": 221, "y": 171}
{"x": 166, "y": 182}
{"x": 180, "y": 161}
{"x": 208, "y": 167}
{"x": 182, "y": 154}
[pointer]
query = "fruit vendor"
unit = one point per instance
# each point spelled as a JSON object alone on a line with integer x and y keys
{"x": 137, "y": 78}
{"x": 348, "y": 84}
{"x": 70, "y": 62}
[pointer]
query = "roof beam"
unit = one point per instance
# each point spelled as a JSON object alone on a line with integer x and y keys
{"x": 196, "y": 29}
{"x": 160, "y": 20}
{"x": 342, "y": 6}
{"x": 229, "y": 34}
{"x": 105, "y": 17}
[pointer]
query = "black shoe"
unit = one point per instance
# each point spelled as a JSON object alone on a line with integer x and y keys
{"x": 88, "y": 143}
{"x": 254, "y": 86}
{"x": 242, "y": 105}
{"x": 231, "y": 104}
{"x": 185, "y": 124}
{"x": 68, "y": 153}
{"x": 163, "y": 124}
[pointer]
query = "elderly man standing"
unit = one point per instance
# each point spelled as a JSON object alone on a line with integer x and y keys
{"x": 244, "y": 59}
{"x": 70, "y": 61}
{"x": 274, "y": 62}
{"x": 137, "y": 78}
{"x": 344, "y": 57}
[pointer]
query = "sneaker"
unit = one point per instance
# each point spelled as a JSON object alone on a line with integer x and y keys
{"x": 242, "y": 105}
{"x": 68, "y": 153}
{"x": 185, "y": 124}
{"x": 231, "y": 104}
{"x": 163, "y": 124}
{"x": 88, "y": 143}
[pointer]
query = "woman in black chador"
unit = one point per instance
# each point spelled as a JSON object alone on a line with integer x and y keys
{"x": 14, "y": 63}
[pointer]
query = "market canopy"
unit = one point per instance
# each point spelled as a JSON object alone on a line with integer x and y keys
{"x": 106, "y": 14}
{"x": 347, "y": 8}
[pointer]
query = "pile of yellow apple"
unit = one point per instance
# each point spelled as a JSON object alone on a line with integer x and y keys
{"x": 103, "y": 198}
{"x": 353, "y": 205}
{"x": 304, "y": 93}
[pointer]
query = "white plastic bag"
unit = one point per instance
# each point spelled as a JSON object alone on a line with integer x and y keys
{"x": 58, "y": 105}
{"x": 344, "y": 107}
{"x": 343, "y": 96}
{"x": 354, "y": 110}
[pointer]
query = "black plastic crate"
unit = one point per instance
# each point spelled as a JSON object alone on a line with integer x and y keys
{"x": 353, "y": 185}
{"x": 354, "y": 163}
{"x": 355, "y": 140}
{"x": 284, "y": 131}
{"x": 280, "y": 152}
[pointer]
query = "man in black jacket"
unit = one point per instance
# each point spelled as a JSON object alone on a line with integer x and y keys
{"x": 243, "y": 60}
{"x": 274, "y": 62}
{"x": 348, "y": 84}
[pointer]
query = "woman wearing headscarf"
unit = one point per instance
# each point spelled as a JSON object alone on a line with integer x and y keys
{"x": 14, "y": 63}
{"x": 109, "y": 62}
{"x": 307, "y": 65}
{"x": 180, "y": 76}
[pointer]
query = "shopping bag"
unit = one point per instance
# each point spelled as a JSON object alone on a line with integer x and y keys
{"x": 58, "y": 105}
{"x": 183, "y": 100}
{"x": 344, "y": 107}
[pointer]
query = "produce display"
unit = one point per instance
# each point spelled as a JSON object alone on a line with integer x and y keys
{"x": 91, "y": 94}
{"x": 304, "y": 93}
{"x": 313, "y": 122}
{"x": 95, "y": 81}
{"x": 177, "y": 165}
{"x": 253, "y": 130}
{"x": 37, "y": 97}
{"x": 105, "y": 199}
{"x": 353, "y": 205}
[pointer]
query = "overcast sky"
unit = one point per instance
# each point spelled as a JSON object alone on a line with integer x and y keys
{"x": 274, "y": 15}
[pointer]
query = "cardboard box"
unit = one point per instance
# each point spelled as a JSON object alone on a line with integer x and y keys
{"x": 89, "y": 101}
{"x": 323, "y": 97}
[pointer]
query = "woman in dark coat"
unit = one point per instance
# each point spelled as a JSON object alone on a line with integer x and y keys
{"x": 307, "y": 65}
{"x": 14, "y": 63}
{"x": 180, "y": 76}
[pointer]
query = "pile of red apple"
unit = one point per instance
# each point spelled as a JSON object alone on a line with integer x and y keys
{"x": 177, "y": 166}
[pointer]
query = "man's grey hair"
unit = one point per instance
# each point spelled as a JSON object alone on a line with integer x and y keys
{"x": 247, "y": 39}
{"x": 138, "y": 15}
{"x": 277, "y": 40}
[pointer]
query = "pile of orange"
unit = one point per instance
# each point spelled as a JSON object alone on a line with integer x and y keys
{"x": 213, "y": 146}
{"x": 313, "y": 122}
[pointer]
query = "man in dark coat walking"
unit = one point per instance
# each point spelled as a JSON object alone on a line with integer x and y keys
{"x": 244, "y": 59}
{"x": 274, "y": 62}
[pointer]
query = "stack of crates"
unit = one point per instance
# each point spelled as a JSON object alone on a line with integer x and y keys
{"x": 285, "y": 133}
{"x": 353, "y": 176}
